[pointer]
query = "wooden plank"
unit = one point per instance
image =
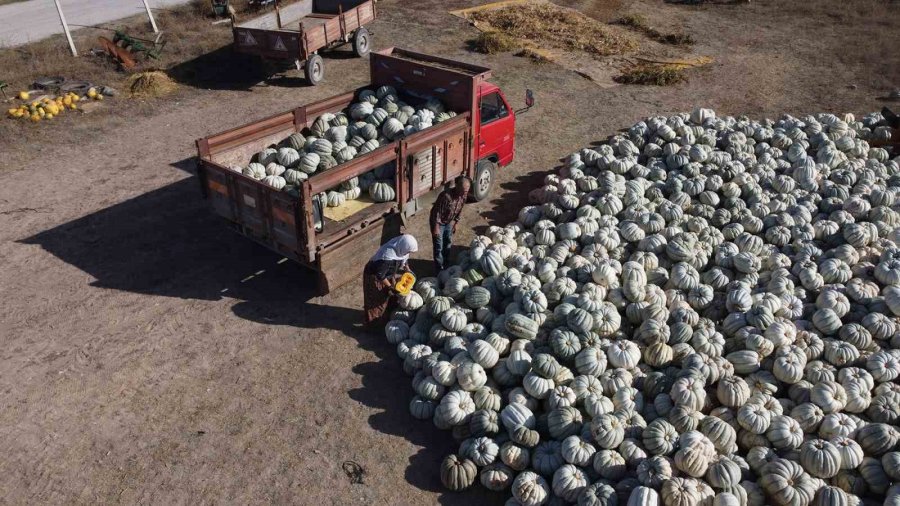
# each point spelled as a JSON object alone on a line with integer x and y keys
{"x": 284, "y": 223}
{"x": 315, "y": 38}
{"x": 365, "y": 13}
{"x": 309, "y": 225}
{"x": 216, "y": 186}
{"x": 333, "y": 235}
{"x": 348, "y": 209}
{"x": 452, "y": 82}
{"x": 351, "y": 20}
{"x": 240, "y": 153}
{"x": 250, "y": 131}
{"x": 342, "y": 264}
{"x": 333, "y": 31}
{"x": 269, "y": 20}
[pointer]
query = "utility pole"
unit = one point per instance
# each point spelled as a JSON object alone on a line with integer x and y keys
{"x": 62, "y": 19}
{"x": 150, "y": 15}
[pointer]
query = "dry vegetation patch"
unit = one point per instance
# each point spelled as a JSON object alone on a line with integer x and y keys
{"x": 555, "y": 26}
{"x": 533, "y": 55}
{"x": 189, "y": 33}
{"x": 492, "y": 42}
{"x": 188, "y": 30}
{"x": 154, "y": 83}
{"x": 648, "y": 74}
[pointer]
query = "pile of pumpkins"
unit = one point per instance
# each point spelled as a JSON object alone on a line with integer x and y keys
{"x": 378, "y": 118}
{"x": 702, "y": 310}
{"x": 48, "y": 107}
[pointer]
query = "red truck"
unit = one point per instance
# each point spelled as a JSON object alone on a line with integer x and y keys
{"x": 478, "y": 139}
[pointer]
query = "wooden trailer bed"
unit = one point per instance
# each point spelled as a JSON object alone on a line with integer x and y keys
{"x": 298, "y": 31}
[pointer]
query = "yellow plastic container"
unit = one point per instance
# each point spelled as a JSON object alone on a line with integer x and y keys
{"x": 405, "y": 283}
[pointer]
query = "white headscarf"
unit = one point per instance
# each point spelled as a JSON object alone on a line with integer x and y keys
{"x": 397, "y": 248}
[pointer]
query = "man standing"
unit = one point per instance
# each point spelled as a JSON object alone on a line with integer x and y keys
{"x": 444, "y": 217}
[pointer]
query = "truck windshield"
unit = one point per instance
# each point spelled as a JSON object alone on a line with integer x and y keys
{"x": 492, "y": 108}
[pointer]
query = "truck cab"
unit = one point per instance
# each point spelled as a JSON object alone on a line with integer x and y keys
{"x": 495, "y": 137}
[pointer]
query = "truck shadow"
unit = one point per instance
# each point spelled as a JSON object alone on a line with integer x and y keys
{"x": 167, "y": 243}
{"x": 223, "y": 69}
{"x": 220, "y": 69}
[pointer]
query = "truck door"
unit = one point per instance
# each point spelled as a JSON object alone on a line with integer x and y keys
{"x": 497, "y": 125}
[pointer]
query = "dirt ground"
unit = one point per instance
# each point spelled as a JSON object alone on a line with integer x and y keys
{"x": 150, "y": 355}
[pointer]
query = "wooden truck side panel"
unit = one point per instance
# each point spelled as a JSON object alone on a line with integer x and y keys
{"x": 262, "y": 35}
{"x": 358, "y": 17}
{"x": 435, "y": 158}
{"x": 302, "y": 28}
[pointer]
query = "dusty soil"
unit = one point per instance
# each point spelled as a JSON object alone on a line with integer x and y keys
{"x": 152, "y": 356}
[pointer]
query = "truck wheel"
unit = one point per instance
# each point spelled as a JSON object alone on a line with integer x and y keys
{"x": 362, "y": 42}
{"x": 483, "y": 181}
{"x": 315, "y": 69}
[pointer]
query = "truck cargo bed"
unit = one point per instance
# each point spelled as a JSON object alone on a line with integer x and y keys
{"x": 298, "y": 30}
{"x": 337, "y": 241}
{"x": 291, "y": 16}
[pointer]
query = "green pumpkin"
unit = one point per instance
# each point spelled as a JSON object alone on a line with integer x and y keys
{"x": 295, "y": 141}
{"x": 458, "y": 473}
{"x": 477, "y": 297}
{"x": 521, "y": 326}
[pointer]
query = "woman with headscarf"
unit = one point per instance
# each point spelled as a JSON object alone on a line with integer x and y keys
{"x": 380, "y": 274}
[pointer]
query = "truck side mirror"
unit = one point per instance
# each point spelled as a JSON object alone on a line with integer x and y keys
{"x": 529, "y": 98}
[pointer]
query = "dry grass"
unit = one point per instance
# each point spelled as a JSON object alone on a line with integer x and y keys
{"x": 552, "y": 25}
{"x": 189, "y": 34}
{"x": 492, "y": 42}
{"x": 638, "y": 23}
{"x": 657, "y": 75}
{"x": 153, "y": 83}
{"x": 533, "y": 55}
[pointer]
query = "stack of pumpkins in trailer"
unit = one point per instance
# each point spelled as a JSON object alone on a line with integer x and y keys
{"x": 378, "y": 118}
{"x": 702, "y": 310}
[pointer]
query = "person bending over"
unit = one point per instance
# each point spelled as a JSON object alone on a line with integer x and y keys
{"x": 381, "y": 273}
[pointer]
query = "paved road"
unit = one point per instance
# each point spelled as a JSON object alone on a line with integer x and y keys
{"x": 24, "y": 22}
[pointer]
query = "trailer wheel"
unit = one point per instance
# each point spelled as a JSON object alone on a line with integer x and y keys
{"x": 362, "y": 42}
{"x": 483, "y": 181}
{"x": 315, "y": 69}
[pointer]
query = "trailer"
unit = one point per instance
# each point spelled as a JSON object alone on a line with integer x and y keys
{"x": 297, "y": 32}
{"x": 480, "y": 138}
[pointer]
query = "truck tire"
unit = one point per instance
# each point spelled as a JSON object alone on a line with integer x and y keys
{"x": 362, "y": 42}
{"x": 483, "y": 182}
{"x": 315, "y": 69}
